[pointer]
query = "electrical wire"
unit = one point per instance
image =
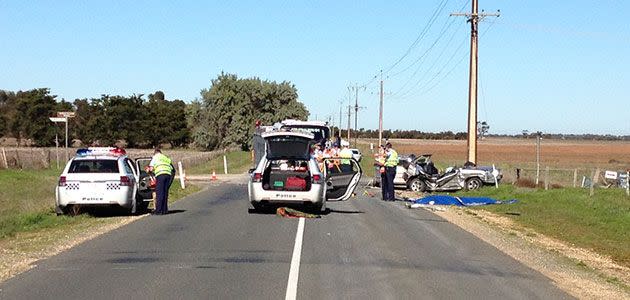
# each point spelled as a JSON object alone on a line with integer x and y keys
{"x": 420, "y": 36}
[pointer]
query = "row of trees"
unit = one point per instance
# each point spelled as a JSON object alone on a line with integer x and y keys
{"x": 223, "y": 117}
{"x": 103, "y": 121}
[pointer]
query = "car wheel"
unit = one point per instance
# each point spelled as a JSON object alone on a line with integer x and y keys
{"x": 60, "y": 211}
{"x": 74, "y": 210}
{"x": 473, "y": 184}
{"x": 417, "y": 185}
{"x": 254, "y": 208}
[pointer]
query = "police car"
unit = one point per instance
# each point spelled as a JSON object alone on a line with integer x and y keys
{"x": 100, "y": 177}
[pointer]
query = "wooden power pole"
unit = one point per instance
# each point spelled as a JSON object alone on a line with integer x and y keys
{"x": 356, "y": 89}
{"x": 474, "y": 18}
{"x": 380, "y": 114}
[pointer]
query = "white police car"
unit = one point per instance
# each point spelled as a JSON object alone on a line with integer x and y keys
{"x": 102, "y": 176}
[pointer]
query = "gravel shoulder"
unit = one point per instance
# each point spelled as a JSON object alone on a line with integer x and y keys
{"x": 580, "y": 272}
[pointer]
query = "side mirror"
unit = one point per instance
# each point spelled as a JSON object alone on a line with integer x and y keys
{"x": 251, "y": 170}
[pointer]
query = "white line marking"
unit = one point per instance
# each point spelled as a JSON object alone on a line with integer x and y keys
{"x": 294, "y": 272}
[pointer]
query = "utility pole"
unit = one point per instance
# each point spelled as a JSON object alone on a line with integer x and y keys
{"x": 538, "y": 138}
{"x": 474, "y": 17}
{"x": 349, "y": 113}
{"x": 380, "y": 114}
{"x": 356, "y": 89}
{"x": 340, "y": 120}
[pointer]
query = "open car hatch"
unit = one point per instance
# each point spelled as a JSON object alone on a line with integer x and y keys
{"x": 288, "y": 145}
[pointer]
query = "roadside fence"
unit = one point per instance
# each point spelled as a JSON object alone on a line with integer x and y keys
{"x": 43, "y": 158}
{"x": 547, "y": 178}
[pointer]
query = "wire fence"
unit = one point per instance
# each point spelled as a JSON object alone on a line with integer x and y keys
{"x": 547, "y": 177}
{"x": 44, "y": 158}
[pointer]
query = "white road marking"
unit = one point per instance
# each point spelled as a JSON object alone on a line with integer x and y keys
{"x": 294, "y": 272}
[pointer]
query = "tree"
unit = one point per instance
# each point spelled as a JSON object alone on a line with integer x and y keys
{"x": 30, "y": 116}
{"x": 482, "y": 129}
{"x": 227, "y": 111}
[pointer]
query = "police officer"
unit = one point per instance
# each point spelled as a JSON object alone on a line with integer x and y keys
{"x": 163, "y": 169}
{"x": 391, "y": 161}
{"x": 345, "y": 154}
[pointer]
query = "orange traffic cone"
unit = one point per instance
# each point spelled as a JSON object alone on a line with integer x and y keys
{"x": 214, "y": 175}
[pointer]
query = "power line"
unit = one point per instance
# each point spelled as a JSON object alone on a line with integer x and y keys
{"x": 420, "y": 36}
{"x": 420, "y": 90}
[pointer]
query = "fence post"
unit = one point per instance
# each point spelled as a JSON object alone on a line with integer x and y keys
{"x": 182, "y": 175}
{"x": 546, "y": 177}
{"x": 575, "y": 178}
{"x": 225, "y": 164}
{"x": 4, "y": 159}
{"x": 18, "y": 161}
{"x": 594, "y": 181}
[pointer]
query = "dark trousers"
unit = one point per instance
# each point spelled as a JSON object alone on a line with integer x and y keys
{"x": 390, "y": 173}
{"x": 384, "y": 185}
{"x": 161, "y": 191}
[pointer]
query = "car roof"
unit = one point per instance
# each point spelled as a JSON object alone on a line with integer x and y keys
{"x": 302, "y": 134}
{"x": 100, "y": 157}
{"x": 292, "y": 122}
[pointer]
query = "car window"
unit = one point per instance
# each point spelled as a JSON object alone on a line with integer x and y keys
{"x": 127, "y": 167}
{"x": 94, "y": 166}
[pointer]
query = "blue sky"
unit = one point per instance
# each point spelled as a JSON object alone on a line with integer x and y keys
{"x": 554, "y": 66}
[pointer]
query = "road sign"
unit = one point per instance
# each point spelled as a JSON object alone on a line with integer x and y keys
{"x": 58, "y": 119}
{"x": 66, "y": 114}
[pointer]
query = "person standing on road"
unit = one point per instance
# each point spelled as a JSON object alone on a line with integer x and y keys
{"x": 345, "y": 154}
{"x": 163, "y": 169}
{"x": 380, "y": 168}
{"x": 391, "y": 161}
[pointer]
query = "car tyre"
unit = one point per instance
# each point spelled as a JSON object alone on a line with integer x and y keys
{"x": 473, "y": 184}
{"x": 417, "y": 185}
{"x": 254, "y": 208}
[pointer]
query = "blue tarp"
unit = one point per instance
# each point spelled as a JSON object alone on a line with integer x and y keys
{"x": 459, "y": 201}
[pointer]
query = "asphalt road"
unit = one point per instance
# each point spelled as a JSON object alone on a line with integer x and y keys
{"x": 210, "y": 247}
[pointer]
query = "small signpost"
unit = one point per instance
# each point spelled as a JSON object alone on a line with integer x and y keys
{"x": 62, "y": 117}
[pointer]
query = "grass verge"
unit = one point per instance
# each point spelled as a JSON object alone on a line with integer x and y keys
{"x": 27, "y": 198}
{"x": 238, "y": 162}
{"x": 601, "y": 222}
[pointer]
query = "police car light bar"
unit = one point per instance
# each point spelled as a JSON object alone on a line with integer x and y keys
{"x": 93, "y": 151}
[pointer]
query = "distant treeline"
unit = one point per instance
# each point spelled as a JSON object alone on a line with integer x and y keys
{"x": 223, "y": 117}
{"x": 449, "y": 135}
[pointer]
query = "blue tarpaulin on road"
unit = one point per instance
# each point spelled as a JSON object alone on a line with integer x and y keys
{"x": 459, "y": 201}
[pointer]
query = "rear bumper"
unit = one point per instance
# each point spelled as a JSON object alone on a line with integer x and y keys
{"x": 120, "y": 197}
{"x": 257, "y": 194}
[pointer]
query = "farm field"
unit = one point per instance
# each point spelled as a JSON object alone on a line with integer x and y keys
{"x": 561, "y": 156}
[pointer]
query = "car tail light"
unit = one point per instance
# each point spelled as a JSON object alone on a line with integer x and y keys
{"x": 125, "y": 181}
{"x": 257, "y": 177}
{"x": 62, "y": 181}
{"x": 317, "y": 178}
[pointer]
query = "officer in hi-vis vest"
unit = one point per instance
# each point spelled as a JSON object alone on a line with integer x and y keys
{"x": 162, "y": 167}
{"x": 391, "y": 161}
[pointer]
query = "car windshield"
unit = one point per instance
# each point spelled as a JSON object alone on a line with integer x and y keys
{"x": 94, "y": 166}
{"x": 318, "y": 132}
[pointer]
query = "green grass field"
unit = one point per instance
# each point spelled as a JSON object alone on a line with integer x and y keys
{"x": 27, "y": 200}
{"x": 601, "y": 222}
{"x": 238, "y": 162}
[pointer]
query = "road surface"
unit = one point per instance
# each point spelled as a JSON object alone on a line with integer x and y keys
{"x": 210, "y": 247}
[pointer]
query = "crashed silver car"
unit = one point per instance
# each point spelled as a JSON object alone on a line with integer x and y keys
{"x": 422, "y": 176}
{"x": 287, "y": 174}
